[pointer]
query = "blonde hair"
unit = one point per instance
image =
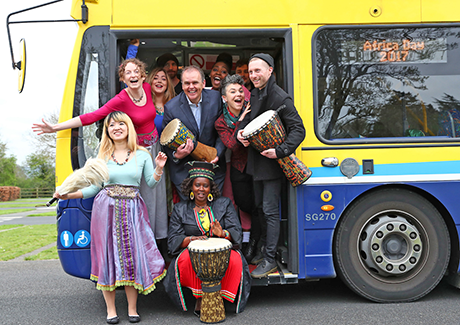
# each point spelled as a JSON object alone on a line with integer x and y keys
{"x": 107, "y": 146}
{"x": 169, "y": 93}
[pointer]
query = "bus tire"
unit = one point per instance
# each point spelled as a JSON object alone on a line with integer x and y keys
{"x": 392, "y": 246}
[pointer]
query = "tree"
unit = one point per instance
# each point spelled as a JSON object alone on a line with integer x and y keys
{"x": 46, "y": 142}
{"x": 8, "y": 167}
{"x": 40, "y": 166}
{"x": 40, "y": 169}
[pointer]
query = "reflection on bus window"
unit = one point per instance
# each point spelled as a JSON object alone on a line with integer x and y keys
{"x": 387, "y": 82}
{"x": 90, "y": 103}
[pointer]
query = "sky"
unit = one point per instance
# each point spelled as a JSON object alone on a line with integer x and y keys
{"x": 49, "y": 47}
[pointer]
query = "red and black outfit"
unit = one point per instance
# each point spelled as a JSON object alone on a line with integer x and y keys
{"x": 184, "y": 222}
{"x": 242, "y": 183}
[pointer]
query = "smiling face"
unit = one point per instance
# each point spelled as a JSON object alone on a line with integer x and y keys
{"x": 218, "y": 73}
{"x": 259, "y": 72}
{"x": 201, "y": 187}
{"x": 132, "y": 76}
{"x": 243, "y": 72}
{"x": 117, "y": 130}
{"x": 192, "y": 85}
{"x": 159, "y": 83}
{"x": 171, "y": 68}
{"x": 234, "y": 96}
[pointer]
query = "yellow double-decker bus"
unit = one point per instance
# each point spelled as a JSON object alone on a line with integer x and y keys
{"x": 376, "y": 84}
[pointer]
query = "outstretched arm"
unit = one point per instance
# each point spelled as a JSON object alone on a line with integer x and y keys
{"x": 51, "y": 128}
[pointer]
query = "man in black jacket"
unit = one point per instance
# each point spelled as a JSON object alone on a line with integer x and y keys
{"x": 264, "y": 168}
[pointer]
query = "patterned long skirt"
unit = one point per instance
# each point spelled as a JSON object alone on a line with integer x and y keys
{"x": 123, "y": 247}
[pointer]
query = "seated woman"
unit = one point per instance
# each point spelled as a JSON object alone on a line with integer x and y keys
{"x": 206, "y": 214}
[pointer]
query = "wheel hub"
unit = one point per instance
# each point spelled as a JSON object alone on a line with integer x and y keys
{"x": 390, "y": 246}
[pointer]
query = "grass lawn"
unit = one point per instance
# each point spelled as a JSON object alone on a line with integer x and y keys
{"x": 18, "y": 205}
{"x": 44, "y": 214}
{"x": 47, "y": 254}
{"x": 14, "y": 204}
{"x": 19, "y": 241}
{"x": 14, "y": 211}
{"x": 5, "y": 227}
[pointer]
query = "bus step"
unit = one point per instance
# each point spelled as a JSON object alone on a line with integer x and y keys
{"x": 282, "y": 276}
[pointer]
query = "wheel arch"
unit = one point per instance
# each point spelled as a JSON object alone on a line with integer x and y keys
{"x": 447, "y": 217}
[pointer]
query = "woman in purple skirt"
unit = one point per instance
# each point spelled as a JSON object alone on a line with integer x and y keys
{"x": 123, "y": 248}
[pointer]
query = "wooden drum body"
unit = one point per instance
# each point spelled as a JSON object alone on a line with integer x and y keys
{"x": 210, "y": 260}
{"x": 176, "y": 134}
{"x": 267, "y": 131}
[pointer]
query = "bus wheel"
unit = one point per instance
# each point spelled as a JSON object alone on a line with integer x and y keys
{"x": 392, "y": 246}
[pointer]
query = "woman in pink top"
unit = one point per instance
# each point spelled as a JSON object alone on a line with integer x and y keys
{"x": 136, "y": 102}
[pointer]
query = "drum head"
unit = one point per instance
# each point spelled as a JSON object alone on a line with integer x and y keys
{"x": 209, "y": 245}
{"x": 169, "y": 132}
{"x": 258, "y": 123}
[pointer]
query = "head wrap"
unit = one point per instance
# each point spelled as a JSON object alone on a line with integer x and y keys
{"x": 201, "y": 169}
{"x": 161, "y": 61}
{"x": 227, "y": 59}
{"x": 265, "y": 57}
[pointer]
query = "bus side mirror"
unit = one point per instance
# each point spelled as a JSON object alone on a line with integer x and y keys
{"x": 21, "y": 65}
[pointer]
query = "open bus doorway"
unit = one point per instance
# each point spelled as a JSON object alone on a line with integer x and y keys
{"x": 97, "y": 81}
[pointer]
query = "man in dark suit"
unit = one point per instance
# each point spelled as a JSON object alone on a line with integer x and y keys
{"x": 263, "y": 167}
{"x": 197, "y": 108}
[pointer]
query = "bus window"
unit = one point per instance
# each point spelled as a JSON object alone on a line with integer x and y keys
{"x": 90, "y": 103}
{"x": 203, "y": 51}
{"x": 92, "y": 90}
{"x": 386, "y": 83}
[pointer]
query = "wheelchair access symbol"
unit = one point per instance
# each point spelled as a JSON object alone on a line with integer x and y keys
{"x": 82, "y": 238}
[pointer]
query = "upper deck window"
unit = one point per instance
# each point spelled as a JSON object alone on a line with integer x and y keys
{"x": 387, "y": 83}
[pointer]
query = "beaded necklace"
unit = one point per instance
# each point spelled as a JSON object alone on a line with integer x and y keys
{"x": 134, "y": 99}
{"x": 124, "y": 162}
{"x": 159, "y": 110}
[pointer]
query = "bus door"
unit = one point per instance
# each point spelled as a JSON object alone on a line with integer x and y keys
{"x": 97, "y": 81}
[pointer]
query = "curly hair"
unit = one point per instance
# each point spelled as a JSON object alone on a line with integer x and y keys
{"x": 141, "y": 66}
{"x": 229, "y": 80}
{"x": 186, "y": 187}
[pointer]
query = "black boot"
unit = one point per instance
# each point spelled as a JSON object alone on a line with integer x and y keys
{"x": 259, "y": 256}
{"x": 250, "y": 251}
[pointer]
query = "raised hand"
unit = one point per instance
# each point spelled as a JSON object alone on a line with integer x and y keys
{"x": 246, "y": 111}
{"x": 217, "y": 229}
{"x": 43, "y": 128}
{"x": 160, "y": 160}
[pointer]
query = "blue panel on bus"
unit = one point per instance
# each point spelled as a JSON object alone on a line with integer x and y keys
{"x": 74, "y": 238}
{"x": 76, "y": 262}
{"x": 318, "y": 253}
{"x": 317, "y": 226}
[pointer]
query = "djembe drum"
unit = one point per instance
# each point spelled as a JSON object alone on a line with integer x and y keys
{"x": 176, "y": 134}
{"x": 210, "y": 260}
{"x": 266, "y": 131}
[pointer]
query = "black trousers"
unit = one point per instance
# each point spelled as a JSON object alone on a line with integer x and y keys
{"x": 267, "y": 197}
